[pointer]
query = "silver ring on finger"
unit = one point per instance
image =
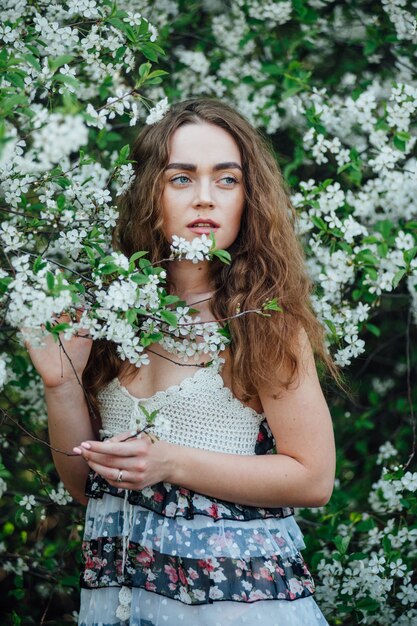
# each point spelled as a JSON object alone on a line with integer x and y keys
{"x": 119, "y": 478}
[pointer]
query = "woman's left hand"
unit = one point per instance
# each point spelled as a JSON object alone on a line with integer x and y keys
{"x": 132, "y": 464}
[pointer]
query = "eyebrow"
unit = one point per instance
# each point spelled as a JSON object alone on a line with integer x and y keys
{"x": 190, "y": 167}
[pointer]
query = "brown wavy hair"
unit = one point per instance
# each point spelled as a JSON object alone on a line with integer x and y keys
{"x": 267, "y": 257}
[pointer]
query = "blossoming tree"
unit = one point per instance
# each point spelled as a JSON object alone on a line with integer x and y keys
{"x": 334, "y": 86}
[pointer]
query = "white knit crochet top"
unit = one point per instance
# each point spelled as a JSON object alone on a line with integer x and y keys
{"x": 200, "y": 412}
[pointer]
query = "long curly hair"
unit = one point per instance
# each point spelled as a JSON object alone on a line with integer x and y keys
{"x": 267, "y": 257}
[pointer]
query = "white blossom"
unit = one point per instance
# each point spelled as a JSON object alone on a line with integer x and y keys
{"x": 60, "y": 495}
{"x": 158, "y": 111}
{"x": 28, "y": 502}
{"x": 199, "y": 249}
{"x": 3, "y": 487}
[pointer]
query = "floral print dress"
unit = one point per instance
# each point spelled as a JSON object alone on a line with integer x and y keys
{"x": 167, "y": 555}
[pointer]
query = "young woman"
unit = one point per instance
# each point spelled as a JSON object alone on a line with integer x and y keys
{"x": 196, "y": 526}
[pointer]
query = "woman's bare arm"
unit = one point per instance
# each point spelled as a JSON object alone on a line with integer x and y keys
{"x": 61, "y": 364}
{"x": 68, "y": 422}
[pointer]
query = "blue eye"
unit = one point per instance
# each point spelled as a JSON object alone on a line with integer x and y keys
{"x": 181, "y": 179}
{"x": 230, "y": 180}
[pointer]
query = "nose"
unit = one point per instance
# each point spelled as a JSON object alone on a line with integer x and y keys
{"x": 203, "y": 197}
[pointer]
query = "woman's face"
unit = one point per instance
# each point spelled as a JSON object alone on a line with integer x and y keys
{"x": 203, "y": 188}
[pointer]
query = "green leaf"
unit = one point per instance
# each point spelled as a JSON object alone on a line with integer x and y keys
{"x": 63, "y": 182}
{"x": 319, "y": 222}
{"x": 79, "y": 287}
{"x": 59, "y": 328}
{"x": 373, "y": 329}
{"x": 144, "y": 69}
{"x": 167, "y": 300}
{"x": 397, "y": 278}
{"x": 61, "y": 201}
{"x": 50, "y": 280}
{"x": 109, "y": 268}
{"x": 272, "y": 69}
{"x": 117, "y": 23}
{"x": 32, "y": 60}
{"x": 271, "y": 305}
{"x": 151, "y": 51}
{"x": 139, "y": 278}
{"x": 131, "y": 316}
{"x": 8, "y": 104}
{"x": 157, "y": 74}
{"x": 144, "y": 263}
{"x": 341, "y": 543}
{"x": 409, "y": 254}
{"x": 55, "y": 63}
{"x": 368, "y": 604}
{"x": 225, "y": 331}
{"x": 124, "y": 153}
{"x": 38, "y": 264}
{"x": 151, "y": 338}
{"x": 399, "y": 143}
{"x": 91, "y": 256}
{"x": 16, "y": 78}
{"x": 331, "y": 326}
{"x": 137, "y": 255}
{"x": 170, "y": 318}
{"x": 67, "y": 80}
{"x": 366, "y": 257}
{"x": 223, "y": 255}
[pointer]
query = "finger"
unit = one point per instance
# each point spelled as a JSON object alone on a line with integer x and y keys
{"x": 111, "y": 462}
{"x": 109, "y": 447}
{"x": 116, "y": 477}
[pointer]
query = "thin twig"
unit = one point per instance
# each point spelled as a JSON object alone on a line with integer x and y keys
{"x": 8, "y": 210}
{"x": 58, "y": 450}
{"x": 47, "y": 605}
{"x": 64, "y": 267}
{"x": 201, "y": 365}
{"x": 34, "y": 437}
{"x": 409, "y": 398}
{"x": 87, "y": 399}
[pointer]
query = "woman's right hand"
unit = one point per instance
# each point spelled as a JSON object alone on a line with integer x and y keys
{"x": 63, "y": 361}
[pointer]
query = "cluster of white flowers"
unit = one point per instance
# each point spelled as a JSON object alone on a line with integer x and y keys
{"x": 30, "y": 303}
{"x": 386, "y": 451}
{"x": 18, "y": 567}
{"x": 382, "y": 386}
{"x": 4, "y": 360}
{"x": 124, "y": 179}
{"x": 199, "y": 249}
{"x": 12, "y": 239}
{"x": 60, "y": 495}
{"x": 387, "y": 495}
{"x": 86, "y": 8}
{"x": 158, "y": 111}
{"x": 403, "y": 20}
{"x": 273, "y": 12}
{"x": 194, "y": 340}
{"x": 319, "y": 146}
{"x": 371, "y": 574}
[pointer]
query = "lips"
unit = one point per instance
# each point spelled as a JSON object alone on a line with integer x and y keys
{"x": 202, "y": 226}
{"x": 203, "y": 223}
